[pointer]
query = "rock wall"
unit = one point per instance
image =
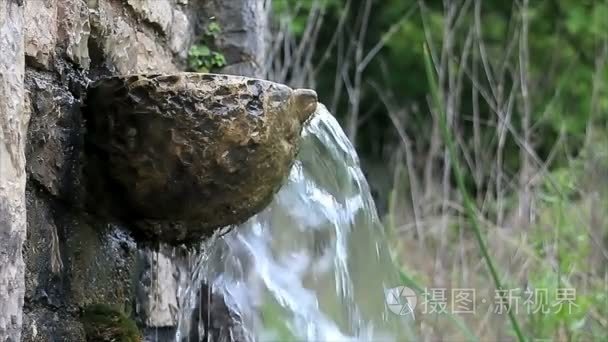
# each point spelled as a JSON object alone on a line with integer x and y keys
{"x": 13, "y": 126}
{"x": 244, "y": 34}
{"x": 49, "y": 51}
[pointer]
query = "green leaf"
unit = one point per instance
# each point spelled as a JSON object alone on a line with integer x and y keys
{"x": 200, "y": 51}
{"x": 219, "y": 59}
{"x": 213, "y": 29}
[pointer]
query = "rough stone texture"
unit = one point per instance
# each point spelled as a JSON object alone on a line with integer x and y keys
{"x": 159, "y": 12}
{"x": 159, "y": 310}
{"x": 243, "y": 38}
{"x": 221, "y": 323}
{"x": 181, "y": 34}
{"x": 41, "y": 30}
{"x": 74, "y": 257}
{"x": 55, "y": 134}
{"x": 126, "y": 46}
{"x": 13, "y": 128}
{"x": 51, "y": 24}
{"x": 73, "y": 261}
{"x": 203, "y": 148}
{"x": 74, "y": 30}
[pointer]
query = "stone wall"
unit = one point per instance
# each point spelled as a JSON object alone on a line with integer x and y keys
{"x": 13, "y": 125}
{"x": 73, "y": 257}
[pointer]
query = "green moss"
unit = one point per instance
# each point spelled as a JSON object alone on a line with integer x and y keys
{"x": 103, "y": 322}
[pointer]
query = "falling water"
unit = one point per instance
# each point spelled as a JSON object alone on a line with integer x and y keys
{"x": 313, "y": 266}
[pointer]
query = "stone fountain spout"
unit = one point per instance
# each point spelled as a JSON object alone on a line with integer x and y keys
{"x": 182, "y": 155}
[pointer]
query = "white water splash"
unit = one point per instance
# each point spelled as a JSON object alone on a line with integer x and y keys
{"x": 314, "y": 265}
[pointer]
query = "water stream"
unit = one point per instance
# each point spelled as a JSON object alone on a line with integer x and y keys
{"x": 313, "y": 266}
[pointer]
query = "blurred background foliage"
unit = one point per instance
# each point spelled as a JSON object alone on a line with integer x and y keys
{"x": 565, "y": 38}
{"x": 523, "y": 85}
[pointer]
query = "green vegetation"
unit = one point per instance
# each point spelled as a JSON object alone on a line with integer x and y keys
{"x": 487, "y": 151}
{"x": 201, "y": 56}
{"x": 470, "y": 209}
{"x": 106, "y": 323}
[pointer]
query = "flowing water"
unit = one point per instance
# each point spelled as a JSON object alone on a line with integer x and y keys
{"x": 313, "y": 266}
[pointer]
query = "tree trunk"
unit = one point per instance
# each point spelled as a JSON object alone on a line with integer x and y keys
{"x": 13, "y": 129}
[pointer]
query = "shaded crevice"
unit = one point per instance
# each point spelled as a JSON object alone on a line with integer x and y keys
{"x": 97, "y": 56}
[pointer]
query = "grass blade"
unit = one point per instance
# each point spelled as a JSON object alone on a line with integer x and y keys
{"x": 469, "y": 204}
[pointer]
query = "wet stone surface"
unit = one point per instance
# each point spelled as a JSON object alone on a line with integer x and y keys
{"x": 74, "y": 256}
{"x": 182, "y": 155}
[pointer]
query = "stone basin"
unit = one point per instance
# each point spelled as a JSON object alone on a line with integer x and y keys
{"x": 185, "y": 154}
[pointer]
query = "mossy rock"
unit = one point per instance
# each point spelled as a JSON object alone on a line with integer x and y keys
{"x": 195, "y": 152}
{"x": 104, "y": 323}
